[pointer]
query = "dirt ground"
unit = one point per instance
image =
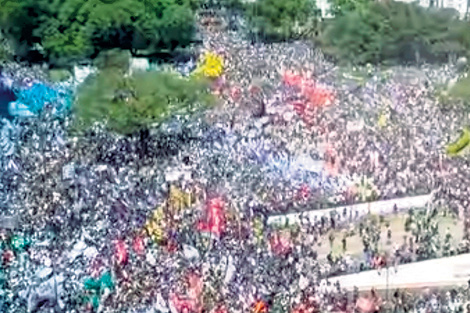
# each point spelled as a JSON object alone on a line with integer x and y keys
{"x": 354, "y": 244}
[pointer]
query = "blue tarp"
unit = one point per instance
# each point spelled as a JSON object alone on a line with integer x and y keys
{"x": 31, "y": 101}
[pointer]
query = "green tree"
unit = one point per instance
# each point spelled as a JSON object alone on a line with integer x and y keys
{"x": 113, "y": 59}
{"x": 341, "y": 7}
{"x": 74, "y": 29}
{"x": 275, "y": 20}
{"x": 394, "y": 32}
{"x": 5, "y": 53}
{"x": 131, "y": 104}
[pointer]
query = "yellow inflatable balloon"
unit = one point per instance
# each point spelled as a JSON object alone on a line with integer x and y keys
{"x": 211, "y": 65}
{"x": 458, "y": 146}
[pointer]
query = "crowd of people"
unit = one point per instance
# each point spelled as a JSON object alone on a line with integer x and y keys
{"x": 95, "y": 193}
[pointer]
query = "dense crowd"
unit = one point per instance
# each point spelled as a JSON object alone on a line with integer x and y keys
{"x": 78, "y": 204}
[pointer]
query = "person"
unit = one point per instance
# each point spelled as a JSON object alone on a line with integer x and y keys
{"x": 396, "y": 301}
{"x": 397, "y": 257}
{"x": 366, "y": 243}
{"x": 448, "y": 234}
{"x": 446, "y": 248}
{"x": 382, "y": 261}
{"x": 332, "y": 239}
{"x": 355, "y": 294}
{"x": 329, "y": 257}
{"x": 376, "y": 299}
{"x": 344, "y": 243}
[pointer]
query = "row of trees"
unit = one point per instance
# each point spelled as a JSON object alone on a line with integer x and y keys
{"x": 396, "y": 32}
{"x": 365, "y": 31}
{"x": 362, "y": 31}
{"x": 275, "y": 20}
{"x": 60, "y": 31}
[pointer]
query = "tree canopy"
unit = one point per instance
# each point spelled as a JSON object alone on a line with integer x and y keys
{"x": 395, "y": 32}
{"x": 75, "y": 29}
{"x": 341, "y": 7}
{"x": 130, "y": 104}
{"x": 275, "y": 20}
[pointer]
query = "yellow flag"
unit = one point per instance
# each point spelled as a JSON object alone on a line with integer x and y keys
{"x": 382, "y": 120}
{"x": 158, "y": 215}
{"x": 179, "y": 200}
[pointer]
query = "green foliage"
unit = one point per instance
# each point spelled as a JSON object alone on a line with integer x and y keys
{"x": 395, "y": 32}
{"x": 59, "y": 75}
{"x": 341, "y": 7}
{"x": 130, "y": 104}
{"x": 461, "y": 89}
{"x": 232, "y": 4}
{"x": 76, "y": 29}
{"x": 225, "y": 4}
{"x": 5, "y": 54}
{"x": 275, "y": 20}
{"x": 113, "y": 59}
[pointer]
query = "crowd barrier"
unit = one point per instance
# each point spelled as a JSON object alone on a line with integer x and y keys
{"x": 377, "y": 207}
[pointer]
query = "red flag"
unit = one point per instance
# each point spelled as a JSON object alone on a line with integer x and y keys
{"x": 304, "y": 192}
{"x": 183, "y": 304}
{"x": 235, "y": 93}
{"x": 171, "y": 245}
{"x": 7, "y": 257}
{"x": 260, "y": 307}
{"x": 314, "y": 96}
{"x": 280, "y": 244}
{"x": 291, "y": 79}
{"x": 365, "y": 305}
{"x": 299, "y": 107}
{"x": 215, "y": 221}
{"x": 138, "y": 245}
{"x": 120, "y": 252}
{"x": 195, "y": 286}
{"x": 318, "y": 97}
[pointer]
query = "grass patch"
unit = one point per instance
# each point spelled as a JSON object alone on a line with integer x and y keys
{"x": 355, "y": 246}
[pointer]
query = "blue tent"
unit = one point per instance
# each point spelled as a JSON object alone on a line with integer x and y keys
{"x": 31, "y": 101}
